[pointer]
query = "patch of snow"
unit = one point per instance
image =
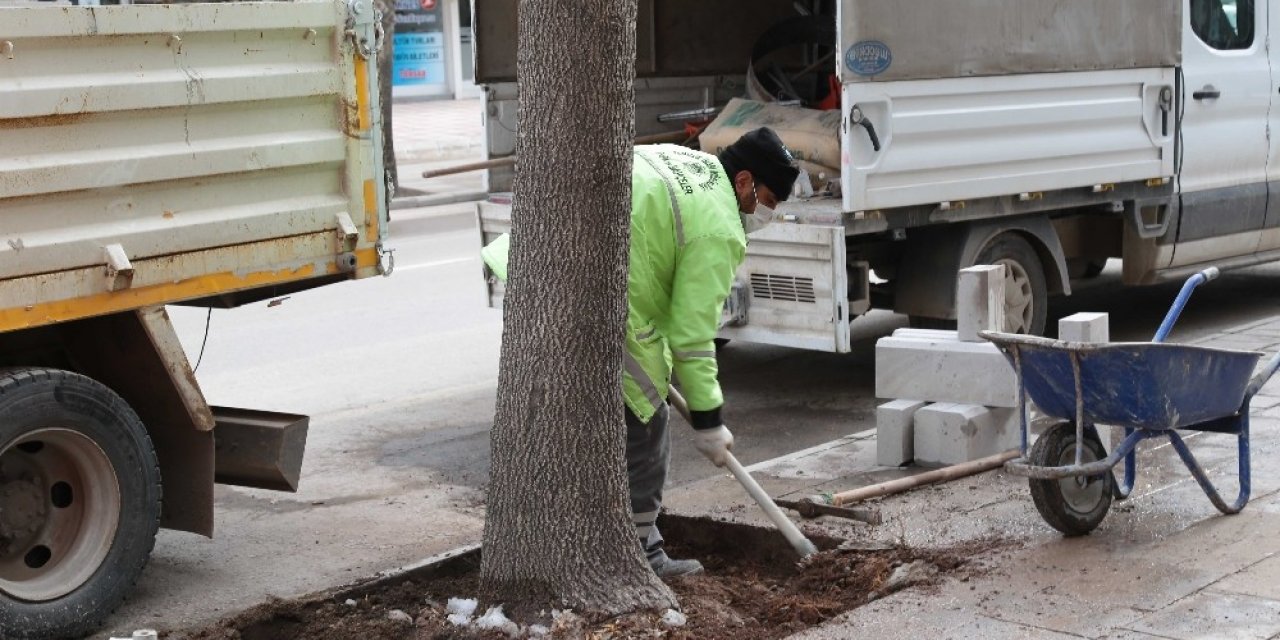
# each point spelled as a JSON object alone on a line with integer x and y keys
{"x": 495, "y": 619}
{"x": 462, "y": 606}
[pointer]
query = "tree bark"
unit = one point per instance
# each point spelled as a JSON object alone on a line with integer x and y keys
{"x": 558, "y": 529}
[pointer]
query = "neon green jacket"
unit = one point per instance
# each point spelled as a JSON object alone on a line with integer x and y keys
{"x": 687, "y": 242}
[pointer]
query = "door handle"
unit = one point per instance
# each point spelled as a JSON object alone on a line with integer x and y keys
{"x": 1207, "y": 93}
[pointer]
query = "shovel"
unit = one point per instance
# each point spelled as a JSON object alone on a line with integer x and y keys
{"x": 801, "y": 544}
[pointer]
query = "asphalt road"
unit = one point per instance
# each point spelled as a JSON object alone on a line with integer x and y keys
{"x": 399, "y": 376}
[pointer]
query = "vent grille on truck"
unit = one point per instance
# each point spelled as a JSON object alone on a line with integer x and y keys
{"x": 768, "y": 286}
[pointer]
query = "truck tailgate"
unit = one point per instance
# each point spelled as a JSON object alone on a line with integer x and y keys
{"x": 155, "y": 154}
{"x": 956, "y": 139}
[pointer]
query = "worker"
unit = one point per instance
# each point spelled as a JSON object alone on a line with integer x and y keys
{"x": 690, "y": 216}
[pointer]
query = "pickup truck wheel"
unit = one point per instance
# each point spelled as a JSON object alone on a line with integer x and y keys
{"x": 1026, "y": 294}
{"x": 79, "y": 502}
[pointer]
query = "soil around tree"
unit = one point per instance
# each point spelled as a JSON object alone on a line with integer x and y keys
{"x": 753, "y": 589}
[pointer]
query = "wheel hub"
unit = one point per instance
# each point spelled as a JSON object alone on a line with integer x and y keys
{"x": 1019, "y": 304}
{"x": 1082, "y": 493}
{"x": 59, "y": 511}
{"x": 23, "y": 510}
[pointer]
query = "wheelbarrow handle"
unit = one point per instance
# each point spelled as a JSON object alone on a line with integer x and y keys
{"x": 1181, "y": 301}
{"x": 1261, "y": 378}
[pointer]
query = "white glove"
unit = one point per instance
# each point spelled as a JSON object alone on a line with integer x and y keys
{"x": 714, "y": 444}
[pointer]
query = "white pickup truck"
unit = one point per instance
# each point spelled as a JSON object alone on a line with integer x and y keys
{"x": 200, "y": 154}
{"x": 1046, "y": 135}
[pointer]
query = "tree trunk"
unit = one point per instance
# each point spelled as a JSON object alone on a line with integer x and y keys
{"x": 558, "y": 529}
{"x": 388, "y": 9}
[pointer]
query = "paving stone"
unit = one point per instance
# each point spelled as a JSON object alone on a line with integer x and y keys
{"x": 1261, "y": 580}
{"x": 1222, "y": 616}
{"x": 1124, "y": 634}
{"x": 979, "y": 301}
{"x": 1241, "y": 342}
{"x": 895, "y": 439}
{"x": 951, "y": 433}
{"x": 944, "y": 371}
{"x": 1262, "y": 401}
{"x": 1085, "y": 327}
{"x": 911, "y": 615}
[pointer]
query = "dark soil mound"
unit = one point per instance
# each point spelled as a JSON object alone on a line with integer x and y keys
{"x": 753, "y": 589}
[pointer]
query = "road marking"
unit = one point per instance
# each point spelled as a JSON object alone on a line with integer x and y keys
{"x": 438, "y": 263}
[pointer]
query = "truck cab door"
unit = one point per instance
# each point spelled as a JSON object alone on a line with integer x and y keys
{"x": 1269, "y": 240}
{"x": 1226, "y": 96}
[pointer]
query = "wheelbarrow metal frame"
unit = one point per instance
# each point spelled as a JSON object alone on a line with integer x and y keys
{"x": 1237, "y": 423}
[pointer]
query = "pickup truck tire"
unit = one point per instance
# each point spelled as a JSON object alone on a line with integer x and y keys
{"x": 79, "y": 502}
{"x": 1026, "y": 292}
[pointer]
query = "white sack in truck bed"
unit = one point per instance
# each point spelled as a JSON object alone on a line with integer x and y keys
{"x": 811, "y": 135}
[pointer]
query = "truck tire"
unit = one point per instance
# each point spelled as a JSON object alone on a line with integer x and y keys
{"x": 79, "y": 502}
{"x": 1026, "y": 293}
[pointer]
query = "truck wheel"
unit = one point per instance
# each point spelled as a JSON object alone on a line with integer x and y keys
{"x": 1026, "y": 294}
{"x": 79, "y": 502}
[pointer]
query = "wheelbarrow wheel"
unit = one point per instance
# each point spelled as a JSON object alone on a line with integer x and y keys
{"x": 1074, "y": 506}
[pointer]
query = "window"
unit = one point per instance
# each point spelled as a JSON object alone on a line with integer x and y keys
{"x": 1223, "y": 24}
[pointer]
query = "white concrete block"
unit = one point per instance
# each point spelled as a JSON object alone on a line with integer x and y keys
{"x": 895, "y": 439}
{"x": 953, "y": 433}
{"x": 927, "y": 334}
{"x": 979, "y": 301}
{"x": 926, "y": 436}
{"x": 1085, "y": 327}
{"x": 944, "y": 371}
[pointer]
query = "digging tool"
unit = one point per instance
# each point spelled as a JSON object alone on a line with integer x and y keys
{"x": 801, "y": 544}
{"x": 808, "y": 508}
{"x": 891, "y": 487}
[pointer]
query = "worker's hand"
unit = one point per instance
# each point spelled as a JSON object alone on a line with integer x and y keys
{"x": 714, "y": 443}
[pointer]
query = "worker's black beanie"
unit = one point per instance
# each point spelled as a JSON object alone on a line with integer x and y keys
{"x": 762, "y": 153}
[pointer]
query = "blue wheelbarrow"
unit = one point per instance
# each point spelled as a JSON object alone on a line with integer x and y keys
{"x": 1151, "y": 389}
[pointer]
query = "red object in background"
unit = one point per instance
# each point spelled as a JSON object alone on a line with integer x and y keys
{"x": 832, "y": 101}
{"x": 428, "y": 5}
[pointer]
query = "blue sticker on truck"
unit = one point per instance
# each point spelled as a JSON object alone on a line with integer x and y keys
{"x": 868, "y": 58}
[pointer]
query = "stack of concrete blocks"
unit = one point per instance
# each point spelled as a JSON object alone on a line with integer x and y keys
{"x": 954, "y": 396}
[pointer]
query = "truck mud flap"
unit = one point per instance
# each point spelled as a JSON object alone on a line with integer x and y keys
{"x": 260, "y": 449}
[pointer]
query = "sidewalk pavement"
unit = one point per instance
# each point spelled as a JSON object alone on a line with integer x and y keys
{"x": 432, "y": 134}
{"x": 1164, "y": 564}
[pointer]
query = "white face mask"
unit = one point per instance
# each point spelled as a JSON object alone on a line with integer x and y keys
{"x": 753, "y": 222}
